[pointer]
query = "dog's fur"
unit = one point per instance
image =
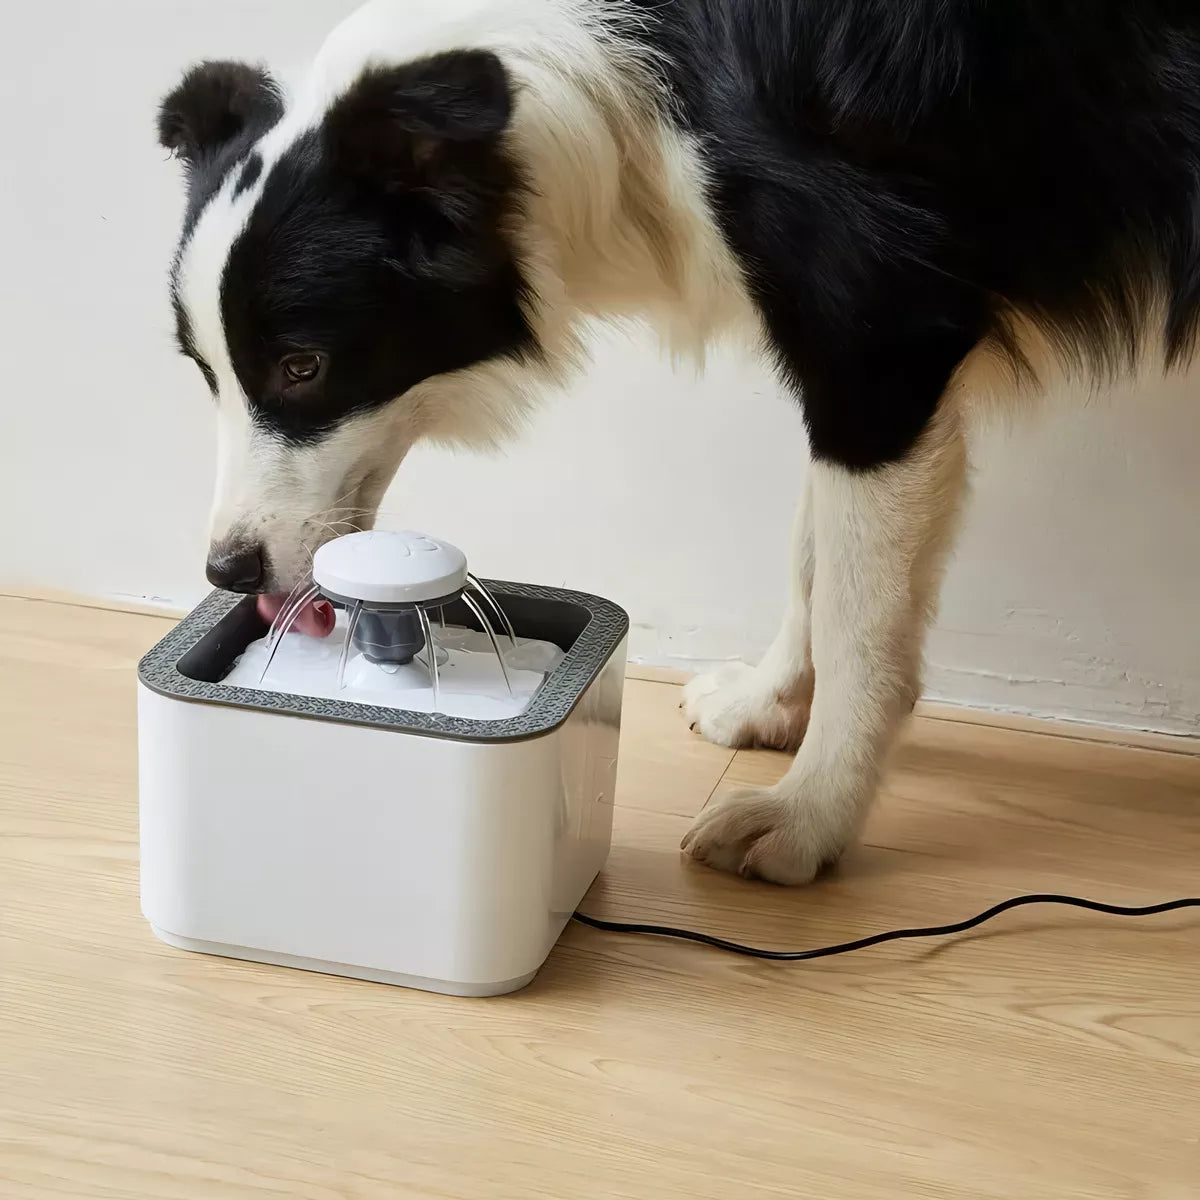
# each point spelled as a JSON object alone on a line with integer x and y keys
{"x": 903, "y": 201}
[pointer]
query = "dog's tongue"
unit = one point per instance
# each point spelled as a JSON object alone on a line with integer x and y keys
{"x": 316, "y": 618}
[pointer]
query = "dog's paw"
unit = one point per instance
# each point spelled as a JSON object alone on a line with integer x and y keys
{"x": 734, "y": 707}
{"x": 765, "y": 834}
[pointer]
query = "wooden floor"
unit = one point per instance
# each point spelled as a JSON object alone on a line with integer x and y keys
{"x": 1053, "y": 1055}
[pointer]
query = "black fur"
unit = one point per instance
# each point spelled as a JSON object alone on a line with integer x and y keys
{"x": 187, "y": 345}
{"x": 376, "y": 243}
{"x": 898, "y": 176}
{"x": 250, "y": 174}
{"x": 210, "y": 121}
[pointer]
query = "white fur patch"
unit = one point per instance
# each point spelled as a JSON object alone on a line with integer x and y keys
{"x": 198, "y": 281}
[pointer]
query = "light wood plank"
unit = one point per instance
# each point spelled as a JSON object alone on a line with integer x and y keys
{"x": 663, "y": 767}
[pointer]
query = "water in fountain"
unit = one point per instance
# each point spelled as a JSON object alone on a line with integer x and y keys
{"x": 383, "y": 650}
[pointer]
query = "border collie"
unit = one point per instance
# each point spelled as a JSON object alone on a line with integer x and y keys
{"x": 906, "y": 204}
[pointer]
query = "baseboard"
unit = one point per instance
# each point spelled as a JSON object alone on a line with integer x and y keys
{"x": 104, "y": 604}
{"x": 1044, "y": 726}
{"x": 1079, "y": 731}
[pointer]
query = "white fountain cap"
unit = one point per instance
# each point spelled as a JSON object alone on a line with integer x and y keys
{"x": 387, "y": 566}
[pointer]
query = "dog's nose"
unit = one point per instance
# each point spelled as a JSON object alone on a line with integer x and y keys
{"x": 236, "y": 568}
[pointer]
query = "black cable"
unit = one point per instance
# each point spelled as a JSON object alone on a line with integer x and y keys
{"x": 877, "y": 939}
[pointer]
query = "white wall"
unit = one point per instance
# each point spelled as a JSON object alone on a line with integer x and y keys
{"x": 1074, "y": 592}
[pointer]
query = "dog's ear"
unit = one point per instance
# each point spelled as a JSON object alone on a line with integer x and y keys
{"x": 215, "y": 103}
{"x": 397, "y": 124}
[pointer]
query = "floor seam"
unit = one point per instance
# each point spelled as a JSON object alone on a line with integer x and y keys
{"x": 720, "y": 780}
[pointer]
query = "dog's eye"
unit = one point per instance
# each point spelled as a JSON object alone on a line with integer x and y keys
{"x": 302, "y": 368}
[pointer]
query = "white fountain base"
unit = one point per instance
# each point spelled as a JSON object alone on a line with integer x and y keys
{"x": 412, "y": 848}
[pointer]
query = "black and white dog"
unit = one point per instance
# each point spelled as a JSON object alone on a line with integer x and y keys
{"x": 906, "y": 204}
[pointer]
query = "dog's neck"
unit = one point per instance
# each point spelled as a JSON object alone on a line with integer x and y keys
{"x": 617, "y": 223}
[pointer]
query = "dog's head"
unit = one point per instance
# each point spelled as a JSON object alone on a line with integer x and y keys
{"x": 346, "y": 284}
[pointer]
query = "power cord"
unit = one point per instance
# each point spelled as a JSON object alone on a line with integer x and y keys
{"x": 894, "y": 935}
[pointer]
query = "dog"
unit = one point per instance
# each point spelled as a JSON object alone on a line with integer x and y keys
{"x": 907, "y": 205}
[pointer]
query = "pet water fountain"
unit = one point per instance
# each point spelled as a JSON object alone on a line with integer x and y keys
{"x": 421, "y": 798}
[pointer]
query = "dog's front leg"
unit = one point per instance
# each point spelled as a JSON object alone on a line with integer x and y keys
{"x": 768, "y": 704}
{"x": 881, "y": 538}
